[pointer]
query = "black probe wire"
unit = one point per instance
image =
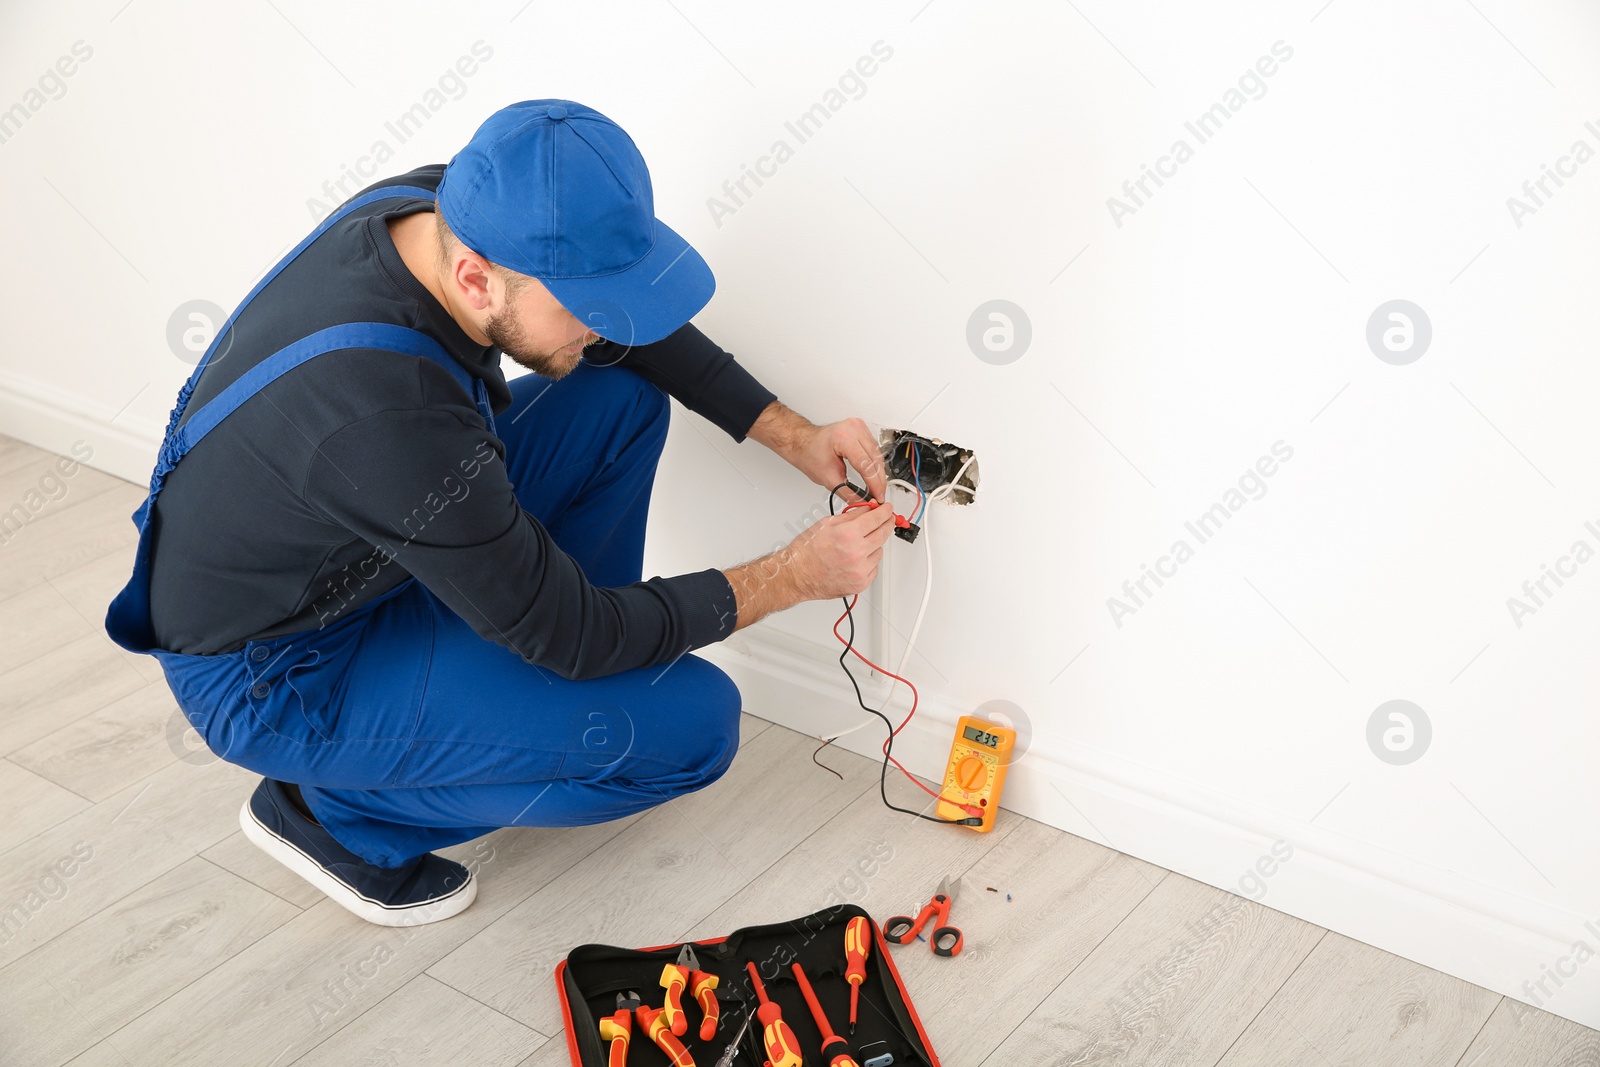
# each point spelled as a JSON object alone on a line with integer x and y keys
{"x": 888, "y": 748}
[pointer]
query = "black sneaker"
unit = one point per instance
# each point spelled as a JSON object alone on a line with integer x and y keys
{"x": 427, "y": 889}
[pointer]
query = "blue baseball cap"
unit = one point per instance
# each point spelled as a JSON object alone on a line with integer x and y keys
{"x": 557, "y": 191}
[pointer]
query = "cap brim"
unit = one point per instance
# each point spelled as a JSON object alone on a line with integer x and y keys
{"x": 646, "y": 302}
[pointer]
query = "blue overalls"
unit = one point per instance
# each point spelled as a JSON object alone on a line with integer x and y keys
{"x": 407, "y": 731}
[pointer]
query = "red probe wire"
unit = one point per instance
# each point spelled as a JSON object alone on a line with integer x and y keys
{"x": 894, "y": 732}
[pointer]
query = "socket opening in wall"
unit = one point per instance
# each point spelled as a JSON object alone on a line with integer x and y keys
{"x": 930, "y": 463}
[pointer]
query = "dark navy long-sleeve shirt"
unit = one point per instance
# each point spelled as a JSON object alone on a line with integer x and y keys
{"x": 258, "y": 532}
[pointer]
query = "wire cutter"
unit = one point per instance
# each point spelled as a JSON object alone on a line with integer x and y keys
{"x": 945, "y": 940}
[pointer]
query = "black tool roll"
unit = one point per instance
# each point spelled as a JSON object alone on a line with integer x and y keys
{"x": 592, "y": 976}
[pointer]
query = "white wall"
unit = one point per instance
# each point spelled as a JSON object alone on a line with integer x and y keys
{"x": 1168, "y": 353}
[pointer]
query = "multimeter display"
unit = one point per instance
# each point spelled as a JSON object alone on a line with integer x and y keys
{"x": 980, "y": 736}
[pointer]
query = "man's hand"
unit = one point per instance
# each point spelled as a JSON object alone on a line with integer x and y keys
{"x": 833, "y": 557}
{"x": 820, "y": 452}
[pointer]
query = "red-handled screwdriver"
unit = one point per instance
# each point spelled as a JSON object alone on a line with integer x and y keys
{"x": 835, "y": 1050}
{"x": 856, "y": 946}
{"x": 783, "y": 1050}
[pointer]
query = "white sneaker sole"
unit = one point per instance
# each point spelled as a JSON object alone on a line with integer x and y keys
{"x": 373, "y": 911}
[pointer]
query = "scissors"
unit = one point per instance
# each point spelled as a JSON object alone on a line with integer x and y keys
{"x": 945, "y": 940}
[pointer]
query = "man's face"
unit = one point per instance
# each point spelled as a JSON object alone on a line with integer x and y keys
{"x": 537, "y": 332}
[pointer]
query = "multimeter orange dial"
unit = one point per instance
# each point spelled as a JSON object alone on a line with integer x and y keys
{"x": 977, "y": 769}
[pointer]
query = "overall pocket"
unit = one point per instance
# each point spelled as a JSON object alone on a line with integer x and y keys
{"x": 297, "y": 683}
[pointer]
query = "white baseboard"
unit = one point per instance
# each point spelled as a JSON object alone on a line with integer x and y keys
{"x": 52, "y": 419}
{"x": 1472, "y": 931}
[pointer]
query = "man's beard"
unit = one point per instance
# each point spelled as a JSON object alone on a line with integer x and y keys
{"x": 507, "y": 334}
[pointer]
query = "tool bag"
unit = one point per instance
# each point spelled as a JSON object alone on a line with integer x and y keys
{"x": 591, "y": 976}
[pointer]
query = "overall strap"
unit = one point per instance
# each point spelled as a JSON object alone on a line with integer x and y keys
{"x": 128, "y": 617}
{"x": 379, "y": 335}
{"x": 387, "y": 192}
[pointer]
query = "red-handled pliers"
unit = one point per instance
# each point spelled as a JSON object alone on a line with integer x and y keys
{"x": 945, "y": 940}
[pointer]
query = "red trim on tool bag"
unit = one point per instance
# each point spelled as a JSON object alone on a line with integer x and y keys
{"x": 883, "y": 947}
{"x": 566, "y": 1014}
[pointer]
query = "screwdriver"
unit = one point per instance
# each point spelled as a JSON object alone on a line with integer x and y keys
{"x": 782, "y": 1048}
{"x": 834, "y": 1048}
{"x": 856, "y": 945}
{"x": 728, "y": 1054}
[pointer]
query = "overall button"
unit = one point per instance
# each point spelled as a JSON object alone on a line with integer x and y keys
{"x": 260, "y": 689}
{"x": 258, "y": 653}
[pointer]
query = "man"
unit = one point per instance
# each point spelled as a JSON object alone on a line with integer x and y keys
{"x": 407, "y": 592}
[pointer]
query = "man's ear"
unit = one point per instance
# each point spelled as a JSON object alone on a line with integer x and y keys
{"x": 470, "y": 275}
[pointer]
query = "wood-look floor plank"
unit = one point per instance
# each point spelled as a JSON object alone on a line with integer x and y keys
{"x": 105, "y": 1054}
{"x": 99, "y": 754}
{"x": 37, "y": 487}
{"x": 89, "y": 590}
{"x": 1517, "y": 1035}
{"x": 133, "y": 837}
{"x": 237, "y": 854}
{"x": 1351, "y": 1005}
{"x": 35, "y": 622}
{"x": 63, "y": 997}
{"x": 34, "y": 492}
{"x": 425, "y": 1022}
{"x": 553, "y": 1053}
{"x": 1174, "y": 984}
{"x": 863, "y": 854}
{"x": 32, "y": 804}
{"x": 302, "y": 983}
{"x": 1067, "y": 895}
{"x": 1015, "y": 951}
{"x": 15, "y": 454}
{"x": 680, "y": 859}
{"x": 62, "y": 685}
{"x": 65, "y": 537}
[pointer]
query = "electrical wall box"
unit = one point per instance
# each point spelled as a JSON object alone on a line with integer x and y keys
{"x": 929, "y": 463}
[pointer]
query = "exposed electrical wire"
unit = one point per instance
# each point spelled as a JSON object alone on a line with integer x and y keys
{"x": 974, "y": 816}
{"x": 916, "y": 480}
{"x": 824, "y": 766}
{"x": 916, "y": 628}
{"x": 952, "y": 486}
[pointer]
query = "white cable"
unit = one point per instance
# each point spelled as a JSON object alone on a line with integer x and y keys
{"x": 950, "y": 486}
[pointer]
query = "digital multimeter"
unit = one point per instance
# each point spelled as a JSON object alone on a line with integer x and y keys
{"x": 977, "y": 769}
